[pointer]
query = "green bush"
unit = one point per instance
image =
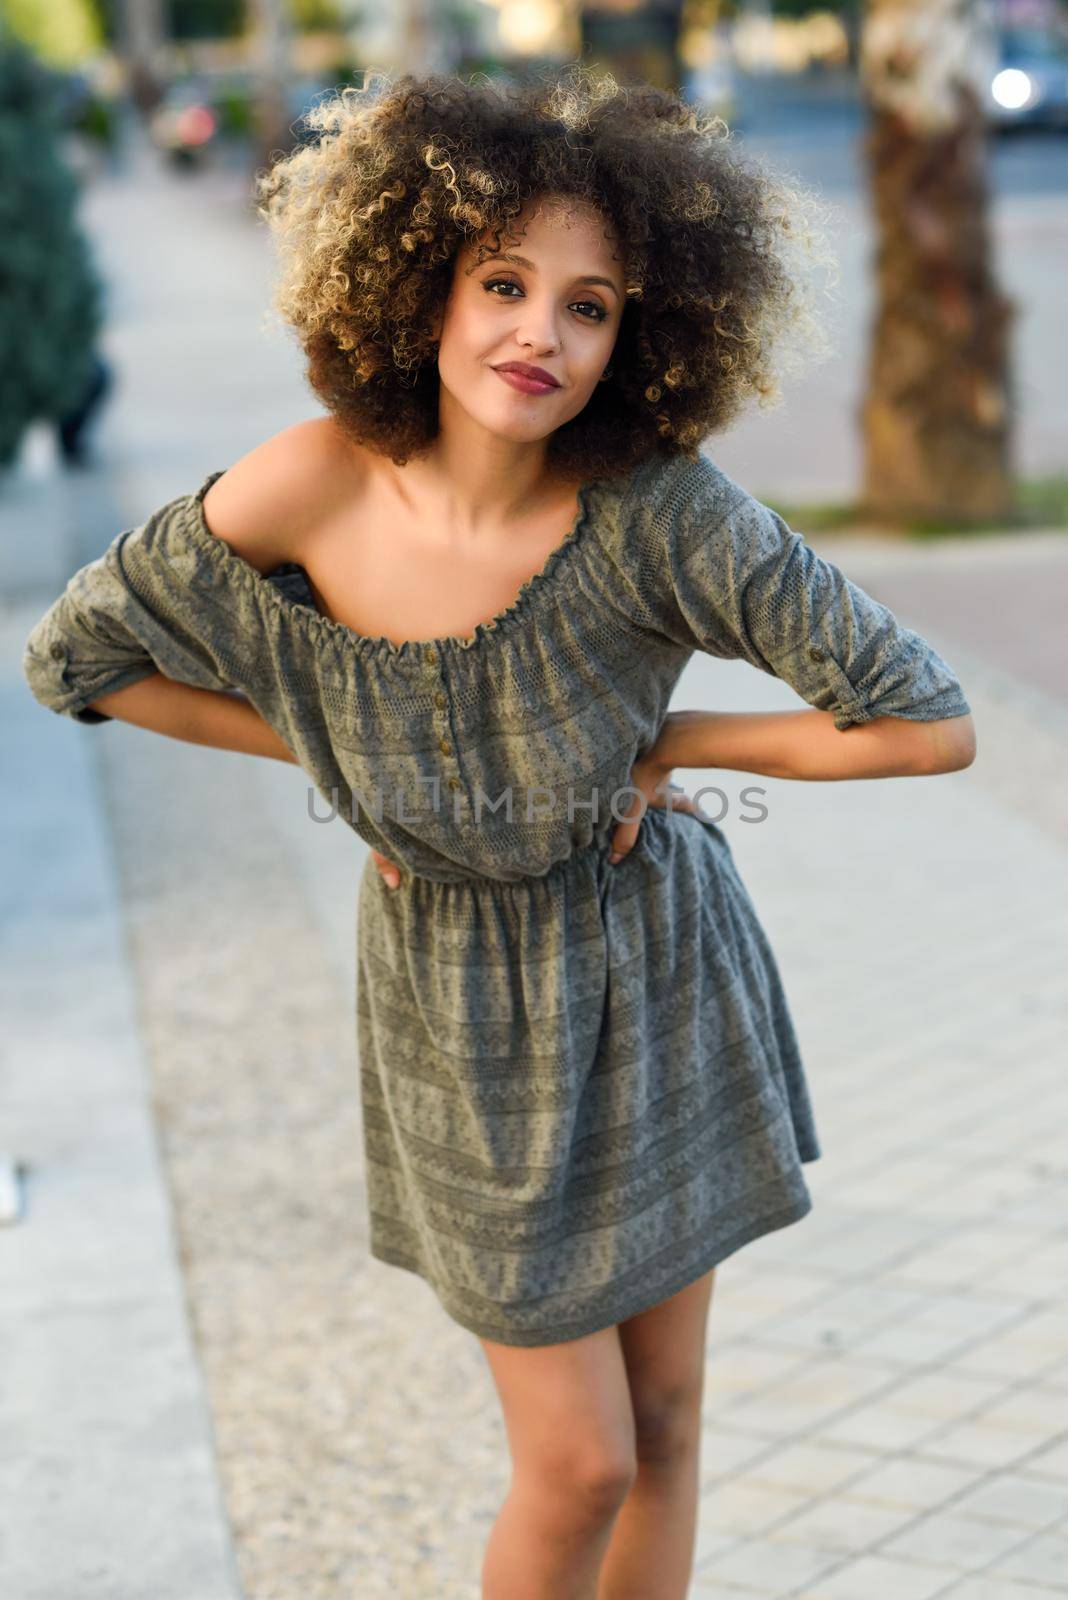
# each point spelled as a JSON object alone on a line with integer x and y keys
{"x": 52, "y": 305}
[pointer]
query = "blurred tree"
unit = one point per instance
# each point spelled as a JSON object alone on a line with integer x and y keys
{"x": 206, "y": 19}
{"x": 635, "y": 40}
{"x": 936, "y": 417}
{"x": 848, "y": 13}
{"x": 309, "y": 16}
{"x": 51, "y": 299}
{"x": 62, "y": 33}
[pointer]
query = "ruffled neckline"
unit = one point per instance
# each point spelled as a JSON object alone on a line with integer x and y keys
{"x": 229, "y": 563}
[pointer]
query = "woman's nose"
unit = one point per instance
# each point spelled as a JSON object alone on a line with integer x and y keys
{"x": 539, "y": 334}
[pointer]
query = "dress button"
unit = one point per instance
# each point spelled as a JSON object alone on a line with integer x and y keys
{"x": 430, "y": 654}
{"x": 816, "y": 655}
{"x": 445, "y": 747}
{"x": 440, "y": 701}
{"x": 454, "y": 783}
{"x": 57, "y": 651}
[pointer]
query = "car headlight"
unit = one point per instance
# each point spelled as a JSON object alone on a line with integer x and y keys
{"x": 1011, "y": 88}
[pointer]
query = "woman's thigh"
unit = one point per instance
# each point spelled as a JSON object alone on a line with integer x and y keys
{"x": 663, "y": 1351}
{"x": 567, "y": 1409}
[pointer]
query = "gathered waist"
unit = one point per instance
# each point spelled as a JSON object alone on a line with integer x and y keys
{"x": 587, "y": 860}
{"x": 579, "y": 858}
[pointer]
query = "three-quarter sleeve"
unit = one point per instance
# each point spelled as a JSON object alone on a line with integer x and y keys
{"x": 726, "y": 575}
{"x": 149, "y": 603}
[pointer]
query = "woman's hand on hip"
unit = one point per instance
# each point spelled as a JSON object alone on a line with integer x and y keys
{"x": 650, "y": 777}
{"x": 389, "y": 869}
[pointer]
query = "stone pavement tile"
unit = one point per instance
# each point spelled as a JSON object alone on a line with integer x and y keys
{"x": 843, "y": 1313}
{"x": 751, "y": 1296}
{"x": 981, "y": 1444}
{"x": 725, "y": 1451}
{"x": 978, "y": 1587}
{"x": 762, "y": 1567}
{"x": 1047, "y": 1325}
{"x": 924, "y": 1338}
{"x": 1037, "y": 1271}
{"x": 883, "y": 1426}
{"x": 945, "y": 1393}
{"x": 906, "y": 1176}
{"x": 710, "y": 1545}
{"x": 973, "y": 1250}
{"x": 837, "y": 1523}
{"x": 823, "y": 1389}
{"x": 747, "y": 1370}
{"x": 743, "y": 1505}
{"x": 810, "y": 1466}
{"x": 1010, "y": 1497}
{"x": 962, "y": 1543}
{"x": 910, "y": 1482}
{"x": 1051, "y": 1462}
{"x": 872, "y": 1242}
{"x": 1041, "y": 1560}
{"x": 1025, "y": 1408}
{"x": 878, "y": 1578}
{"x": 1033, "y": 1272}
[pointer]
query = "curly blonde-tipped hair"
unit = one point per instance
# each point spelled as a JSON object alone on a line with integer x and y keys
{"x": 369, "y": 217}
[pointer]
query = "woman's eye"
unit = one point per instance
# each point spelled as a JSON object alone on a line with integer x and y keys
{"x": 507, "y": 283}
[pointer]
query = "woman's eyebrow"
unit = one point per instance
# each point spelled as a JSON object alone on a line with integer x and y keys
{"x": 521, "y": 261}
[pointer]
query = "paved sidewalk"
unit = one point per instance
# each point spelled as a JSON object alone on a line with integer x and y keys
{"x": 107, "y": 1470}
{"x": 887, "y": 1381}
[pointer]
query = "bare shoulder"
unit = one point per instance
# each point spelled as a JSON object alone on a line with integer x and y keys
{"x": 267, "y": 502}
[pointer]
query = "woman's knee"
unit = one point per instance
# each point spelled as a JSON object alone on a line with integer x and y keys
{"x": 567, "y": 1410}
{"x": 589, "y": 1480}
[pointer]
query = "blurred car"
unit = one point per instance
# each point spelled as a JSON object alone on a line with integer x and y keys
{"x": 1029, "y": 83}
{"x": 197, "y": 113}
{"x": 185, "y": 124}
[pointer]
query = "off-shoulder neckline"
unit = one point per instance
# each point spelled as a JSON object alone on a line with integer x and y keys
{"x": 228, "y": 562}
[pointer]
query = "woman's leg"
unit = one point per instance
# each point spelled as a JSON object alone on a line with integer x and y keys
{"x": 567, "y": 1413}
{"x": 650, "y": 1554}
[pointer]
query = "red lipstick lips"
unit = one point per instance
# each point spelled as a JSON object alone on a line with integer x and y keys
{"x": 530, "y": 380}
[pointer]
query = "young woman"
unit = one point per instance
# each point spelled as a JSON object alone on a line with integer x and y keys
{"x": 461, "y": 600}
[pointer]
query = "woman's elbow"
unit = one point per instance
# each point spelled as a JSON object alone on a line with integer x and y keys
{"x": 950, "y": 744}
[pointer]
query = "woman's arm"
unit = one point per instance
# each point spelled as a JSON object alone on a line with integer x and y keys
{"x": 224, "y": 720}
{"x": 720, "y": 572}
{"x": 808, "y": 744}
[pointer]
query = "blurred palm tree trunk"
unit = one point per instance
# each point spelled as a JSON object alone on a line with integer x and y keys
{"x": 273, "y": 53}
{"x": 937, "y": 416}
{"x": 139, "y": 38}
{"x": 420, "y": 47}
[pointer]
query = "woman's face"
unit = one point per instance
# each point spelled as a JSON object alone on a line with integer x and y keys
{"x": 551, "y": 297}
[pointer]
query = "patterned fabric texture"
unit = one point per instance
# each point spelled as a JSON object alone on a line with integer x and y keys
{"x": 581, "y": 1085}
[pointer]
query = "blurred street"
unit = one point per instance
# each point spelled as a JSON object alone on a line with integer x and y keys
{"x": 205, "y": 1369}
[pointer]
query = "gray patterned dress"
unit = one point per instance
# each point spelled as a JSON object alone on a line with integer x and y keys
{"x": 580, "y": 1083}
